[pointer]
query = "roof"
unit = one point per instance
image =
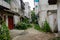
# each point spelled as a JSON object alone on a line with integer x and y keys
{"x": 2, "y": 8}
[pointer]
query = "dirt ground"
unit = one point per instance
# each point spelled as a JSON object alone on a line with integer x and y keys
{"x": 30, "y": 34}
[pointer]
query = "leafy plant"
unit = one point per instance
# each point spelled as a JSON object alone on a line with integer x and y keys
{"x": 4, "y": 32}
{"x": 23, "y": 26}
{"x": 33, "y": 16}
{"x": 26, "y": 20}
{"x": 46, "y": 27}
{"x": 37, "y": 27}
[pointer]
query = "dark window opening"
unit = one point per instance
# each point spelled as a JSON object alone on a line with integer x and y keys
{"x": 51, "y": 2}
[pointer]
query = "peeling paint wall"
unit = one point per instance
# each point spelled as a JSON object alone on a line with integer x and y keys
{"x": 43, "y": 14}
{"x": 15, "y": 5}
{"x": 16, "y": 19}
{"x": 52, "y": 20}
{"x": 43, "y": 11}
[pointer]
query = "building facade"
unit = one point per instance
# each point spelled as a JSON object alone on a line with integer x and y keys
{"x": 10, "y": 12}
{"x": 27, "y": 10}
{"x": 48, "y": 11}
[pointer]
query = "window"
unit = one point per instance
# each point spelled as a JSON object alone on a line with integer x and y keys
{"x": 51, "y": 2}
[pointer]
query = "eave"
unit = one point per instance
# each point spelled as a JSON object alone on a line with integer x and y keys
{"x": 8, "y": 11}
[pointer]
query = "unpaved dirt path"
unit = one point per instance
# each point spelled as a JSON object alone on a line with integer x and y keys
{"x": 31, "y": 34}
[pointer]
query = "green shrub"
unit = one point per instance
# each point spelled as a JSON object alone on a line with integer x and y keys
{"x": 4, "y": 32}
{"x": 22, "y": 26}
{"x": 46, "y": 27}
{"x": 26, "y": 20}
{"x": 33, "y": 17}
{"x": 37, "y": 27}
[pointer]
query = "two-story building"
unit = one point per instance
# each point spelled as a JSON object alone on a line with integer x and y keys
{"x": 47, "y": 10}
{"x": 10, "y": 11}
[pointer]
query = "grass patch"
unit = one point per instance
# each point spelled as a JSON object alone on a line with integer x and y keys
{"x": 57, "y": 38}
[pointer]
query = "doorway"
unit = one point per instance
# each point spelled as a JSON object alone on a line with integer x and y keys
{"x": 10, "y": 22}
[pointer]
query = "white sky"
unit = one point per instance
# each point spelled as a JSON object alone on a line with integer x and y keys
{"x": 31, "y": 3}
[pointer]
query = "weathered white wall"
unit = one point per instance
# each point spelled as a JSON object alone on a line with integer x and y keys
{"x": 7, "y": 21}
{"x": 43, "y": 11}
{"x": 58, "y": 14}
{"x": 15, "y": 5}
{"x": 52, "y": 20}
{"x": 27, "y": 10}
{"x": 16, "y": 19}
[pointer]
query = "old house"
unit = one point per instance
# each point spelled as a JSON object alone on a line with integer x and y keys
{"x": 48, "y": 11}
{"x": 27, "y": 11}
{"x": 10, "y": 12}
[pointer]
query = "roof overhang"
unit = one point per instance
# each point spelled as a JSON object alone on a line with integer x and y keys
{"x": 8, "y": 11}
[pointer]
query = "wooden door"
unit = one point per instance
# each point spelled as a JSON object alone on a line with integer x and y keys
{"x": 10, "y": 22}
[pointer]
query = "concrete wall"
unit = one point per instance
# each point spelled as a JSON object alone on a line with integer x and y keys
{"x": 27, "y": 10}
{"x": 52, "y": 20}
{"x": 7, "y": 21}
{"x": 58, "y": 14}
{"x": 16, "y": 19}
{"x": 43, "y": 11}
{"x": 44, "y": 8}
{"x": 15, "y": 5}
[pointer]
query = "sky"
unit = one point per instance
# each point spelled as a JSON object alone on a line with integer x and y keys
{"x": 31, "y": 3}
